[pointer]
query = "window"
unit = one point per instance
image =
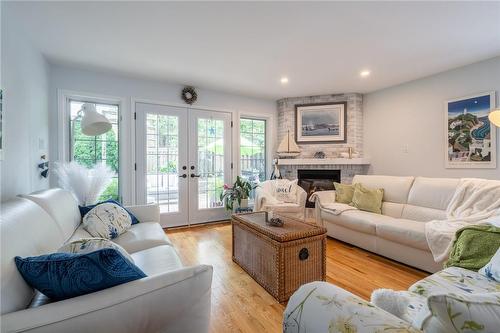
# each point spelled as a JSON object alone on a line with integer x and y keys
{"x": 91, "y": 150}
{"x": 253, "y": 149}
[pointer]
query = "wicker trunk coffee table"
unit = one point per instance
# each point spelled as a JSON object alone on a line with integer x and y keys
{"x": 280, "y": 259}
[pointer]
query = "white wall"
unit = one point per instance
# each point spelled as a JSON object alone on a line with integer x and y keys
{"x": 412, "y": 115}
{"x": 25, "y": 110}
{"x": 127, "y": 88}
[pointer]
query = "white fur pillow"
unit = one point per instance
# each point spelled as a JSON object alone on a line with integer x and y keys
{"x": 391, "y": 301}
{"x": 87, "y": 245}
{"x": 107, "y": 220}
{"x": 285, "y": 190}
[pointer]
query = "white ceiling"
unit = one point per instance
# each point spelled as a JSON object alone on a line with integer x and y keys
{"x": 246, "y": 48}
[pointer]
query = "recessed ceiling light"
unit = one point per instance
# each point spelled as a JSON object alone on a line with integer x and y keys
{"x": 284, "y": 80}
{"x": 365, "y": 73}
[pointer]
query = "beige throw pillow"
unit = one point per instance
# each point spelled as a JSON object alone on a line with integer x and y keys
{"x": 87, "y": 245}
{"x": 367, "y": 199}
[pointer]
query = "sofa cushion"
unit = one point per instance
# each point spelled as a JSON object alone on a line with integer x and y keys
{"x": 142, "y": 236}
{"x": 407, "y": 232}
{"x": 422, "y": 214}
{"x": 157, "y": 260}
{"x": 396, "y": 189}
{"x": 392, "y": 209}
{"x": 65, "y": 275}
{"x": 61, "y": 206}
{"x": 455, "y": 280}
{"x": 25, "y": 230}
{"x": 357, "y": 220}
{"x": 432, "y": 192}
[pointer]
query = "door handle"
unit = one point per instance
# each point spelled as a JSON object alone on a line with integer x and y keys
{"x": 195, "y": 176}
{"x": 183, "y": 176}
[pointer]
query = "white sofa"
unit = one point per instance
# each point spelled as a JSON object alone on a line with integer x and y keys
{"x": 399, "y": 233}
{"x": 172, "y": 298}
{"x": 265, "y": 201}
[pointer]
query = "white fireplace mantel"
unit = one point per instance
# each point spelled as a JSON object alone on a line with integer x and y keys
{"x": 324, "y": 161}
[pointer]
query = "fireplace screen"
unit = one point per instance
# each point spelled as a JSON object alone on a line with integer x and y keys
{"x": 317, "y": 180}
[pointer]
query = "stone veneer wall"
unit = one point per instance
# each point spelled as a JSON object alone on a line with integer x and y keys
{"x": 286, "y": 121}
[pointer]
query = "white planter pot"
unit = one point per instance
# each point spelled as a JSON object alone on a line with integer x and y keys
{"x": 244, "y": 203}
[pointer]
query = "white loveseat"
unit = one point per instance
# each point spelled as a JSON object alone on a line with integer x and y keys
{"x": 399, "y": 233}
{"x": 172, "y": 298}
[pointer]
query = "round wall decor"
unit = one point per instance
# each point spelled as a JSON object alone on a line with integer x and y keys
{"x": 189, "y": 95}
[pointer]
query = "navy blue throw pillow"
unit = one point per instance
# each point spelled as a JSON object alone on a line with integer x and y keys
{"x": 64, "y": 275}
{"x": 85, "y": 209}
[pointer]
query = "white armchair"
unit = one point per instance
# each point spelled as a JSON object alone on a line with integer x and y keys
{"x": 265, "y": 200}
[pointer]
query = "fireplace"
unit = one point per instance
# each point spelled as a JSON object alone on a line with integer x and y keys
{"x": 317, "y": 180}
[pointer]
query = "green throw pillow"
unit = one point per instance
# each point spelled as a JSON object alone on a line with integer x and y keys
{"x": 367, "y": 199}
{"x": 343, "y": 193}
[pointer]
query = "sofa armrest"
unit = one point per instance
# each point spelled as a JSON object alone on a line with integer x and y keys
{"x": 323, "y": 197}
{"x": 146, "y": 213}
{"x": 323, "y": 307}
{"x": 176, "y": 301}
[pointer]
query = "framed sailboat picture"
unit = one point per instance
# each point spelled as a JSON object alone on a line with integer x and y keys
{"x": 321, "y": 123}
{"x": 470, "y": 138}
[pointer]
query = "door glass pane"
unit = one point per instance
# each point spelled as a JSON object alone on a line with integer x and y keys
{"x": 210, "y": 162}
{"x": 162, "y": 162}
{"x": 253, "y": 151}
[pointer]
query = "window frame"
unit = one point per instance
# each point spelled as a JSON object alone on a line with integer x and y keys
{"x": 64, "y": 129}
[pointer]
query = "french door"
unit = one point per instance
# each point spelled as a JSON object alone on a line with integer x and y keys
{"x": 183, "y": 161}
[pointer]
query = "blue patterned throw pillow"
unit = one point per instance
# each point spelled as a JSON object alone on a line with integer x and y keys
{"x": 64, "y": 275}
{"x": 85, "y": 209}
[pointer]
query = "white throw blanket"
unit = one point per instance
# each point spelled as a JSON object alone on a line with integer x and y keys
{"x": 335, "y": 208}
{"x": 475, "y": 201}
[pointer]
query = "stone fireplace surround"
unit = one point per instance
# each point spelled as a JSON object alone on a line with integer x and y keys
{"x": 286, "y": 121}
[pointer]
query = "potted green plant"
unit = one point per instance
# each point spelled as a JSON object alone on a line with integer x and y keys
{"x": 239, "y": 193}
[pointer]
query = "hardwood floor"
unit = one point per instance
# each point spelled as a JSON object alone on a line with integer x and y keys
{"x": 239, "y": 304}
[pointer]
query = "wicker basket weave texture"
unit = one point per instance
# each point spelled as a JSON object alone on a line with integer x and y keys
{"x": 273, "y": 257}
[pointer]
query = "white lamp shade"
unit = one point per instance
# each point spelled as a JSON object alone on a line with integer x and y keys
{"x": 494, "y": 117}
{"x": 93, "y": 123}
